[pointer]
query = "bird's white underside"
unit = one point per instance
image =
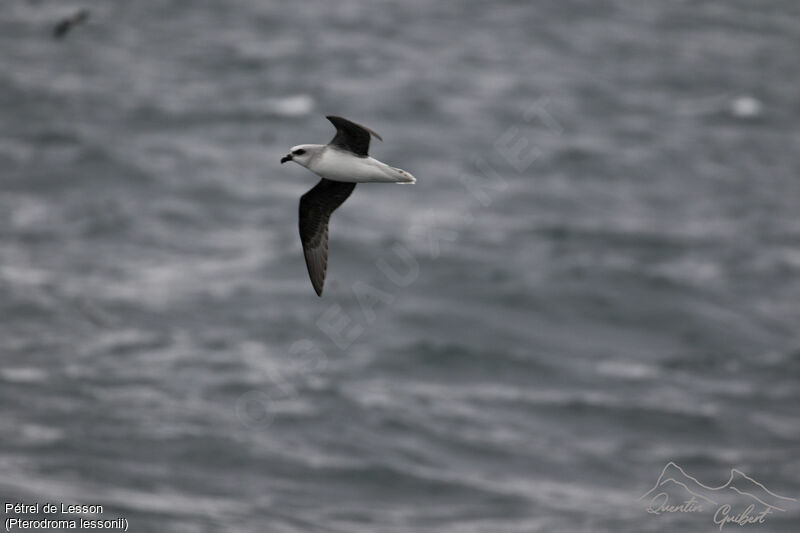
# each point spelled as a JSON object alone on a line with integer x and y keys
{"x": 337, "y": 165}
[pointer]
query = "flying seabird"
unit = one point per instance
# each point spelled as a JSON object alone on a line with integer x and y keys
{"x": 341, "y": 164}
{"x": 63, "y": 27}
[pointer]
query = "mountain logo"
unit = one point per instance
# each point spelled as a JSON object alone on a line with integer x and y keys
{"x": 741, "y": 500}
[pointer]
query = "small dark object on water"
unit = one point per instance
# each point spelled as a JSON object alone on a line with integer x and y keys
{"x": 63, "y": 27}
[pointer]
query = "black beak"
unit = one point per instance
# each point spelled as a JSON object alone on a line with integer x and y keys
{"x": 286, "y": 158}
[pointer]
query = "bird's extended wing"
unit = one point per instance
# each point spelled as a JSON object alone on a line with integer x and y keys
{"x": 63, "y": 27}
{"x": 351, "y": 136}
{"x": 316, "y": 207}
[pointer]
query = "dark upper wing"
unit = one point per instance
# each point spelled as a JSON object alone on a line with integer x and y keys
{"x": 66, "y": 24}
{"x": 316, "y": 207}
{"x": 351, "y": 136}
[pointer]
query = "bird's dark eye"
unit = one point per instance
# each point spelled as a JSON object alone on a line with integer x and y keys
{"x": 299, "y": 152}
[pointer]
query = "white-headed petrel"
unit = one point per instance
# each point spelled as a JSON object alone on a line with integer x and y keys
{"x": 63, "y": 27}
{"x": 341, "y": 164}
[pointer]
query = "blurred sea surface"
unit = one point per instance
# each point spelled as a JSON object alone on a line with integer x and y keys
{"x": 596, "y": 273}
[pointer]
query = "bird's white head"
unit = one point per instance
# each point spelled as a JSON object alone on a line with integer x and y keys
{"x": 302, "y": 154}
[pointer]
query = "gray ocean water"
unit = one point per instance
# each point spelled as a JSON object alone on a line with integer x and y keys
{"x": 596, "y": 273}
